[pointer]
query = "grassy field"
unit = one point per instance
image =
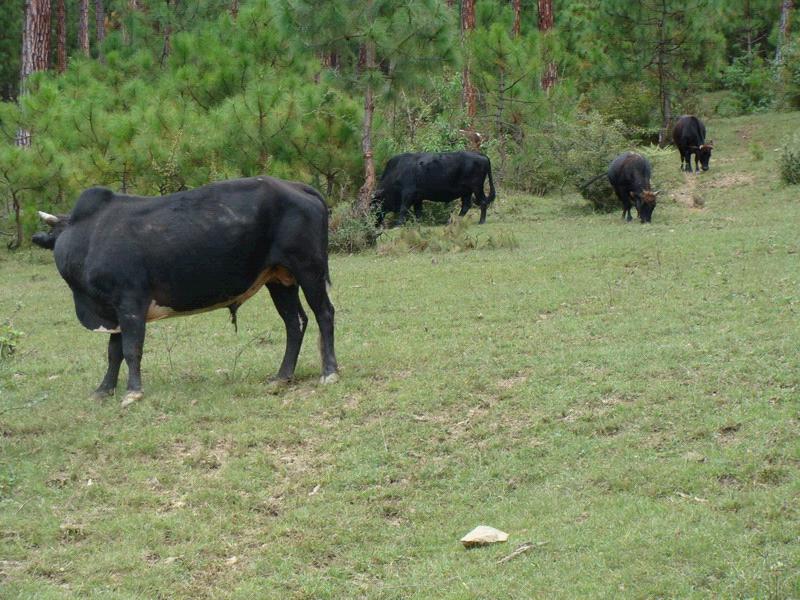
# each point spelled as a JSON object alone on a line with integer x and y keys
{"x": 625, "y": 395}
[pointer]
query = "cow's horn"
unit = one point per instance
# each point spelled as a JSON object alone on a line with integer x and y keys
{"x": 48, "y": 218}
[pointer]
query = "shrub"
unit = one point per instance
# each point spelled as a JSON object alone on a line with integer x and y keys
{"x": 568, "y": 153}
{"x": 752, "y": 83}
{"x": 790, "y": 160}
{"x": 350, "y": 231}
{"x": 9, "y": 337}
{"x": 454, "y": 237}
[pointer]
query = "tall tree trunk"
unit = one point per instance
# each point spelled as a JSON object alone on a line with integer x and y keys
{"x": 469, "y": 95}
{"x": 127, "y": 34}
{"x": 517, "y": 27}
{"x": 365, "y": 194}
{"x": 35, "y": 57}
{"x": 83, "y": 26}
{"x": 35, "y": 49}
{"x": 99, "y": 21}
{"x": 61, "y": 36}
{"x": 167, "y": 49}
{"x": 663, "y": 77}
{"x": 234, "y": 8}
{"x": 784, "y": 27}
{"x": 546, "y": 22}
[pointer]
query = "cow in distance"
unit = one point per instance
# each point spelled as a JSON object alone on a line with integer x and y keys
{"x": 629, "y": 175}
{"x": 689, "y": 135}
{"x": 410, "y": 178}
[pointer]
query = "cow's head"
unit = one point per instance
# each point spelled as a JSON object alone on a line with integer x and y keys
{"x": 57, "y": 225}
{"x": 645, "y": 204}
{"x": 704, "y": 154}
{"x": 380, "y": 204}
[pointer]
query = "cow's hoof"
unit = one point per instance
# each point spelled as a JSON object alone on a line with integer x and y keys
{"x": 328, "y": 379}
{"x": 100, "y": 395}
{"x": 130, "y": 398}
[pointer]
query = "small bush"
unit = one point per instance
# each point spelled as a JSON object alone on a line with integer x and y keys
{"x": 454, "y": 237}
{"x": 349, "y": 231}
{"x": 751, "y": 80}
{"x": 790, "y": 160}
{"x": 568, "y": 154}
{"x": 9, "y": 338}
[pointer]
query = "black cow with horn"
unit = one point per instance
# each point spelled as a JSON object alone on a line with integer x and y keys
{"x": 689, "y": 135}
{"x": 130, "y": 260}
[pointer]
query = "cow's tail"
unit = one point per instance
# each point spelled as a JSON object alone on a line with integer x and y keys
{"x": 583, "y": 186}
{"x": 313, "y": 192}
{"x": 492, "y": 194}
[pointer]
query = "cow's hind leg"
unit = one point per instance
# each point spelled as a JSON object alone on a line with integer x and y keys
{"x": 287, "y": 302}
{"x": 466, "y": 202}
{"x": 316, "y": 293}
{"x": 109, "y": 383}
{"x": 132, "y": 324}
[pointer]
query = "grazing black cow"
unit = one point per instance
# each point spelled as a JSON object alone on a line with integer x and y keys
{"x": 130, "y": 260}
{"x": 689, "y": 136}
{"x": 410, "y": 178}
{"x": 629, "y": 175}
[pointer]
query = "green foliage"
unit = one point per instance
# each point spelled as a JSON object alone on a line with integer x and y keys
{"x": 790, "y": 160}
{"x": 568, "y": 153}
{"x": 789, "y": 76}
{"x": 751, "y": 80}
{"x": 9, "y": 339}
{"x": 350, "y": 231}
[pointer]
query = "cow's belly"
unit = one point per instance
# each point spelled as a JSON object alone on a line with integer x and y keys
{"x": 276, "y": 274}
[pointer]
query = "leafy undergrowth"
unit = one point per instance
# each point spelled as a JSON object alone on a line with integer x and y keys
{"x": 457, "y": 236}
{"x": 624, "y": 394}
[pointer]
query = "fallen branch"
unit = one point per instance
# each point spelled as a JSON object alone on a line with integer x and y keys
{"x": 520, "y": 550}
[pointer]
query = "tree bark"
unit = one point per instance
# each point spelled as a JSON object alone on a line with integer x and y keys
{"x": 546, "y": 22}
{"x": 365, "y": 194}
{"x": 517, "y": 27}
{"x": 469, "y": 95}
{"x": 784, "y": 26}
{"x": 83, "y": 26}
{"x": 35, "y": 50}
{"x": 234, "y": 8}
{"x": 167, "y": 49}
{"x": 99, "y": 21}
{"x": 61, "y": 36}
{"x": 35, "y": 57}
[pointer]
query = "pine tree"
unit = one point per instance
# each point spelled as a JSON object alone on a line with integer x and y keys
{"x": 382, "y": 46}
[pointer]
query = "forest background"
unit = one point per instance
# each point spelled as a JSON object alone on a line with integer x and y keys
{"x": 156, "y": 96}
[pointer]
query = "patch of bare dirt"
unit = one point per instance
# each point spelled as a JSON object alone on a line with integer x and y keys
{"x": 728, "y": 180}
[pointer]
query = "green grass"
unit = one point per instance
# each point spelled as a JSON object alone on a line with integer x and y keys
{"x": 627, "y": 394}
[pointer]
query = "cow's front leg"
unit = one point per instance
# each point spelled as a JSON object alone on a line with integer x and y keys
{"x": 287, "y": 302}
{"x": 688, "y": 160}
{"x": 466, "y": 203}
{"x": 406, "y": 201}
{"x": 314, "y": 287}
{"x": 418, "y": 210}
{"x": 109, "y": 383}
{"x": 132, "y": 324}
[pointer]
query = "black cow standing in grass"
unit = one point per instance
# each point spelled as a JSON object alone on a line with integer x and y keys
{"x": 629, "y": 175}
{"x": 689, "y": 135}
{"x": 410, "y": 178}
{"x": 130, "y": 260}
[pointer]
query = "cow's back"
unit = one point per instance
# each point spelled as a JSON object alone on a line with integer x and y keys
{"x": 196, "y": 248}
